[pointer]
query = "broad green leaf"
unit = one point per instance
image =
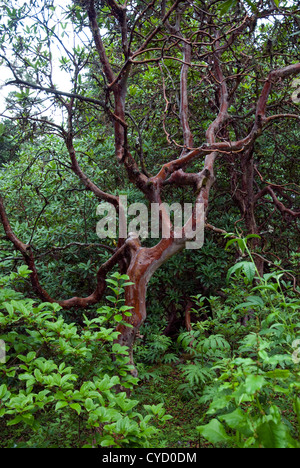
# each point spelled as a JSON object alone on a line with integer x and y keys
{"x": 233, "y": 419}
{"x": 235, "y": 268}
{"x": 108, "y": 442}
{"x": 214, "y": 432}
{"x": 225, "y": 7}
{"x": 3, "y": 390}
{"x": 60, "y": 404}
{"x": 76, "y": 407}
{"x": 253, "y": 236}
{"x": 256, "y": 300}
{"x": 118, "y": 318}
{"x": 249, "y": 270}
{"x": 279, "y": 374}
{"x": 252, "y": 301}
{"x": 243, "y": 305}
{"x": 230, "y": 242}
{"x": 272, "y": 435}
{"x": 89, "y": 404}
{"x": 238, "y": 420}
{"x": 253, "y": 383}
{"x": 247, "y": 267}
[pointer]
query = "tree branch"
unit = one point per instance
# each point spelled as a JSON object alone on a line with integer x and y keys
{"x": 280, "y": 206}
{"x": 55, "y": 92}
{"x": 76, "y": 302}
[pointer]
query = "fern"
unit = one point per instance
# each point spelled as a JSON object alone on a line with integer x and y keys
{"x": 146, "y": 373}
{"x": 155, "y": 350}
{"x": 195, "y": 377}
{"x": 196, "y": 374}
{"x": 169, "y": 358}
{"x": 214, "y": 343}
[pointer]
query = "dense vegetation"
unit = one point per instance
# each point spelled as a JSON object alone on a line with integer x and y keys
{"x": 167, "y": 101}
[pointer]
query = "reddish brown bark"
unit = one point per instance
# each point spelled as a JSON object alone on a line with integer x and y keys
{"x": 144, "y": 263}
{"x": 187, "y": 315}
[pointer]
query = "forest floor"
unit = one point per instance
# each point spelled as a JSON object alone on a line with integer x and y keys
{"x": 180, "y": 431}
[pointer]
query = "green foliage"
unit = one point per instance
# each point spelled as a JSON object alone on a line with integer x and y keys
{"x": 203, "y": 347}
{"x": 8, "y": 142}
{"x": 261, "y": 379}
{"x": 156, "y": 350}
{"x": 59, "y": 383}
{"x": 63, "y": 384}
{"x": 50, "y": 210}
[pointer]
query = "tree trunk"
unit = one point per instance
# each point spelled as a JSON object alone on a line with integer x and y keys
{"x": 144, "y": 263}
{"x": 243, "y": 194}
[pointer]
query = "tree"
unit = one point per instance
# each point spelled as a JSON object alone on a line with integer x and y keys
{"x": 9, "y": 147}
{"x": 195, "y": 66}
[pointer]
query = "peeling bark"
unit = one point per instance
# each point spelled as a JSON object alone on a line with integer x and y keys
{"x": 144, "y": 263}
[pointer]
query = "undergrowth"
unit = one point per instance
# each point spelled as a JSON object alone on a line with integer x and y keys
{"x": 233, "y": 380}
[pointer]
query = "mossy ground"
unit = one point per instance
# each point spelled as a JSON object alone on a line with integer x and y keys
{"x": 180, "y": 431}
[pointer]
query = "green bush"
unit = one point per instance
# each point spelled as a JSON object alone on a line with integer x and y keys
{"x": 62, "y": 384}
{"x": 254, "y": 399}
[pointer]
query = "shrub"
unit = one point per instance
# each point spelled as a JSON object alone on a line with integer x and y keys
{"x": 63, "y": 384}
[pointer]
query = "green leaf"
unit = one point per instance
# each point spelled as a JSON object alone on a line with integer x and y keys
{"x": 60, "y": 404}
{"x": 252, "y": 236}
{"x": 125, "y": 308}
{"x": 115, "y": 283}
{"x": 249, "y": 270}
{"x": 225, "y": 7}
{"x": 252, "y": 301}
{"x": 247, "y": 267}
{"x": 214, "y": 432}
{"x": 118, "y": 318}
{"x": 76, "y": 407}
{"x": 3, "y": 390}
{"x": 238, "y": 420}
{"x": 256, "y": 300}
{"x": 24, "y": 271}
{"x": 253, "y": 383}
{"x": 272, "y": 435}
{"x": 111, "y": 299}
{"x": 230, "y": 242}
{"x": 14, "y": 421}
{"x": 279, "y": 374}
{"x": 234, "y": 269}
{"x": 243, "y": 305}
{"x": 89, "y": 404}
{"x": 108, "y": 442}
{"x": 9, "y": 308}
